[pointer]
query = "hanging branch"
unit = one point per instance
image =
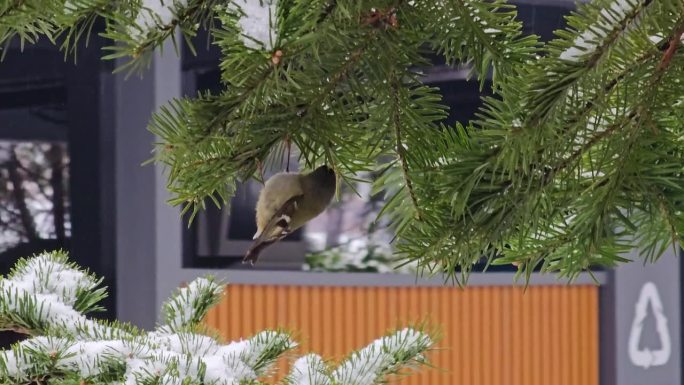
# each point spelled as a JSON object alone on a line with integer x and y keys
{"x": 577, "y": 132}
{"x": 399, "y": 146}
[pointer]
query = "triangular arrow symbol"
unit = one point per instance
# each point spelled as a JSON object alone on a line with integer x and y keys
{"x": 647, "y": 358}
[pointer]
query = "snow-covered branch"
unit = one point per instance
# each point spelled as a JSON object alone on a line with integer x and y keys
{"x": 368, "y": 366}
{"x": 189, "y": 305}
{"x": 156, "y": 14}
{"x": 610, "y": 19}
{"x": 257, "y": 22}
{"x": 386, "y": 355}
{"x": 40, "y": 296}
{"x": 309, "y": 370}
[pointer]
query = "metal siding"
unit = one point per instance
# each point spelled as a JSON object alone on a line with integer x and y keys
{"x": 488, "y": 335}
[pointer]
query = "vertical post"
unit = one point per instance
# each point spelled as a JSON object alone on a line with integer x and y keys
{"x": 91, "y": 150}
{"x": 135, "y": 200}
{"x": 167, "y": 85}
{"x": 148, "y": 229}
{"x": 607, "y": 336}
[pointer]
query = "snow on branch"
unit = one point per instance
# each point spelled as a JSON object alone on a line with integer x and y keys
{"x": 368, "y": 366}
{"x": 257, "y": 22}
{"x": 190, "y": 304}
{"x": 609, "y": 18}
{"x": 309, "y": 370}
{"x": 52, "y": 274}
{"x": 49, "y": 292}
{"x": 386, "y": 355}
{"x": 155, "y": 15}
{"x": 66, "y": 345}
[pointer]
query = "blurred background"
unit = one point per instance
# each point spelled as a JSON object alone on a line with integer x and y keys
{"x": 72, "y": 141}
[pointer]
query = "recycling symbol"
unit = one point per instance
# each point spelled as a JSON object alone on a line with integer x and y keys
{"x": 646, "y": 358}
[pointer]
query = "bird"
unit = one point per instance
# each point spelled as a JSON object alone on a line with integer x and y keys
{"x": 287, "y": 201}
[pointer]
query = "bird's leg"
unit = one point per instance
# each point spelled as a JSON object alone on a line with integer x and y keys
{"x": 288, "y": 143}
{"x": 260, "y": 166}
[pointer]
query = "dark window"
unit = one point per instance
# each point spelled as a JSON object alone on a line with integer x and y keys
{"x": 56, "y": 157}
{"x": 34, "y": 199}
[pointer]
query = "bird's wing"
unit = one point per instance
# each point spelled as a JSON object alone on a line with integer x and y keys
{"x": 277, "y": 228}
{"x": 281, "y": 218}
{"x": 275, "y": 194}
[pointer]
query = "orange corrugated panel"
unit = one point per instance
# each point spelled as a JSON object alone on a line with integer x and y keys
{"x": 316, "y": 319}
{"x": 349, "y": 317}
{"x": 498, "y": 336}
{"x": 306, "y": 312}
{"x": 516, "y": 333}
{"x": 489, "y": 335}
{"x": 567, "y": 324}
{"x": 593, "y": 328}
{"x": 450, "y": 331}
{"x": 290, "y": 318}
{"x": 537, "y": 335}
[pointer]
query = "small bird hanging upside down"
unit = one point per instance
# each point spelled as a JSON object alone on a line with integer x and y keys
{"x": 287, "y": 201}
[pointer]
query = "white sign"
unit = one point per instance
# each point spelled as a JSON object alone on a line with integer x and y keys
{"x": 646, "y": 358}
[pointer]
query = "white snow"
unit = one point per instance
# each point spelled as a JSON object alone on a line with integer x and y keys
{"x": 187, "y": 343}
{"x": 155, "y": 14}
{"x": 366, "y": 366}
{"x": 171, "y": 358}
{"x": 14, "y": 365}
{"x": 85, "y": 356}
{"x": 44, "y": 275}
{"x": 233, "y": 349}
{"x": 656, "y": 39}
{"x": 588, "y": 41}
{"x": 258, "y": 23}
{"x": 261, "y": 342}
{"x": 309, "y": 370}
{"x": 182, "y": 305}
{"x": 50, "y": 309}
{"x": 225, "y": 370}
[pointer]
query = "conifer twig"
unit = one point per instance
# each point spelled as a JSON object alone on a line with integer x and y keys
{"x": 671, "y": 48}
{"x": 399, "y": 146}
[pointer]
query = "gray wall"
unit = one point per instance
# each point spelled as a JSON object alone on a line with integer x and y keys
{"x": 642, "y": 336}
{"x": 135, "y": 201}
{"x": 148, "y": 230}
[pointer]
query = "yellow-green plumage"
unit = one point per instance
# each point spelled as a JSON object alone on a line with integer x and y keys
{"x": 277, "y": 190}
{"x": 287, "y": 201}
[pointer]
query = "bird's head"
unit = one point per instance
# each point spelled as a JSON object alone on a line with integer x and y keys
{"x": 324, "y": 177}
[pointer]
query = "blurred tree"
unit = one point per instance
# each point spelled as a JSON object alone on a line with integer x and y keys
{"x": 33, "y": 198}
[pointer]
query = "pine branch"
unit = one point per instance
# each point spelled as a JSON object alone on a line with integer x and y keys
{"x": 167, "y": 354}
{"x": 187, "y": 308}
{"x": 669, "y": 217}
{"x": 11, "y": 7}
{"x": 671, "y": 49}
{"x": 553, "y": 170}
{"x": 140, "y": 30}
{"x": 400, "y": 149}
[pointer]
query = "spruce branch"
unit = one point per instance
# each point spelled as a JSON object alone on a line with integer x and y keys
{"x": 138, "y": 31}
{"x": 173, "y": 353}
{"x": 675, "y": 41}
{"x": 604, "y": 28}
{"x": 189, "y": 305}
{"x": 574, "y": 159}
{"x": 399, "y": 146}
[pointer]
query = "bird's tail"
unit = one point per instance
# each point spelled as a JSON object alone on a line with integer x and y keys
{"x": 257, "y": 247}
